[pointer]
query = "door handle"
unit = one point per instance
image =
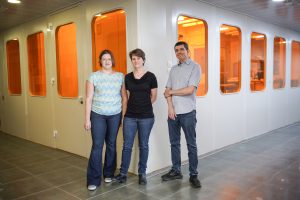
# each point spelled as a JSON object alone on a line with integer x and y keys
{"x": 80, "y": 98}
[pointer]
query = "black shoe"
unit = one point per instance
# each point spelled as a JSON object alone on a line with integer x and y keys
{"x": 121, "y": 178}
{"x": 171, "y": 175}
{"x": 142, "y": 179}
{"x": 195, "y": 181}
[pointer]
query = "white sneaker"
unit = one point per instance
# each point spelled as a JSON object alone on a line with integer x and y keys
{"x": 108, "y": 180}
{"x": 92, "y": 187}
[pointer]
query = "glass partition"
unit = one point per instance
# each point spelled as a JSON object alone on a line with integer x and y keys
{"x": 258, "y": 62}
{"x": 230, "y": 59}
{"x": 36, "y": 64}
{"x": 109, "y": 32}
{"x": 194, "y": 32}
{"x": 13, "y": 67}
{"x": 66, "y": 59}
{"x": 279, "y": 63}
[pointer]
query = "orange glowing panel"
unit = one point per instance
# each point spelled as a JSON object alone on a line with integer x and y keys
{"x": 194, "y": 32}
{"x": 109, "y": 32}
{"x": 13, "y": 67}
{"x": 36, "y": 64}
{"x": 279, "y": 62}
{"x": 295, "y": 65}
{"x": 258, "y": 62}
{"x": 66, "y": 59}
{"x": 230, "y": 59}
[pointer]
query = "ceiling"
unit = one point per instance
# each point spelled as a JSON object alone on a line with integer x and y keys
{"x": 14, "y": 14}
{"x": 286, "y": 14}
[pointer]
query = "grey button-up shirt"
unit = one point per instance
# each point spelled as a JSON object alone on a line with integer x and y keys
{"x": 183, "y": 75}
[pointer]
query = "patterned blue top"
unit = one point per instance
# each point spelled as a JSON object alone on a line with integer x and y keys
{"x": 107, "y": 99}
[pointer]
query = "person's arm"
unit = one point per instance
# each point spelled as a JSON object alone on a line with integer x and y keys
{"x": 88, "y": 104}
{"x": 171, "y": 110}
{"x": 153, "y": 95}
{"x": 181, "y": 92}
{"x": 124, "y": 100}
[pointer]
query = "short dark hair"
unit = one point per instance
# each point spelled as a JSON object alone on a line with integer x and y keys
{"x": 139, "y": 53}
{"x": 186, "y": 46}
{"x": 106, "y": 51}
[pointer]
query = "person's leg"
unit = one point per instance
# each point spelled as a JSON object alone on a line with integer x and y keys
{"x": 113, "y": 123}
{"x": 174, "y": 136}
{"x": 98, "y": 130}
{"x": 129, "y": 131}
{"x": 144, "y": 129}
{"x": 188, "y": 122}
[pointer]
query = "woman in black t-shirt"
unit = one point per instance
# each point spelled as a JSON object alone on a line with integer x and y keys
{"x": 141, "y": 86}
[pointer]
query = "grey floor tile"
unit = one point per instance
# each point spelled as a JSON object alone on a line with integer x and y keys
{"x": 44, "y": 167}
{"x": 52, "y": 194}
{"x": 12, "y": 174}
{"x": 264, "y": 168}
{"x": 63, "y": 176}
{"x": 32, "y": 158}
{"x": 124, "y": 193}
{"x": 76, "y": 161}
{"x": 21, "y": 188}
{"x": 5, "y": 165}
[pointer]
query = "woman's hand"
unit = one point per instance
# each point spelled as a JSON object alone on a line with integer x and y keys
{"x": 87, "y": 125}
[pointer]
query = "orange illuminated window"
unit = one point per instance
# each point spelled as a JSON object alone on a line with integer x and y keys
{"x": 13, "y": 67}
{"x": 230, "y": 59}
{"x": 279, "y": 63}
{"x": 36, "y": 64}
{"x": 295, "y": 68}
{"x": 109, "y": 32}
{"x": 258, "y": 61}
{"x": 66, "y": 59}
{"x": 194, "y": 32}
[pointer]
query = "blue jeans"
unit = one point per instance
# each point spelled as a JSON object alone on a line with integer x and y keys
{"x": 188, "y": 123}
{"x": 130, "y": 127}
{"x": 104, "y": 128}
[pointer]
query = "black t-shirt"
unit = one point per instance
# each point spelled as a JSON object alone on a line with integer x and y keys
{"x": 139, "y": 102}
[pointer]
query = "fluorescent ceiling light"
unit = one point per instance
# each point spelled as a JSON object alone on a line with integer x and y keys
{"x": 14, "y": 1}
{"x": 278, "y": 0}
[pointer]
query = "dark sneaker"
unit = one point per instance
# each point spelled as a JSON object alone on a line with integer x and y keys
{"x": 171, "y": 175}
{"x": 195, "y": 181}
{"x": 121, "y": 178}
{"x": 142, "y": 179}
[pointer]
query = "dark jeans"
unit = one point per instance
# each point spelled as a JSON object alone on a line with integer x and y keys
{"x": 188, "y": 123}
{"x": 104, "y": 128}
{"x": 130, "y": 127}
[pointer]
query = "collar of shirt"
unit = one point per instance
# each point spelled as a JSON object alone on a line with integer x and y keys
{"x": 188, "y": 61}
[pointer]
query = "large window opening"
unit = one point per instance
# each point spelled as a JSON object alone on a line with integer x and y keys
{"x": 66, "y": 59}
{"x": 295, "y": 66}
{"x": 194, "y": 32}
{"x": 36, "y": 64}
{"x": 230, "y": 59}
{"x": 109, "y": 32}
{"x": 13, "y": 67}
{"x": 279, "y": 63}
{"x": 258, "y": 62}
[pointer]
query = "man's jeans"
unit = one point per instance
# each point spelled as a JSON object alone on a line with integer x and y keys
{"x": 188, "y": 123}
{"x": 130, "y": 127}
{"x": 104, "y": 128}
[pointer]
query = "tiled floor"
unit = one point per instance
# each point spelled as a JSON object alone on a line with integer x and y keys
{"x": 264, "y": 168}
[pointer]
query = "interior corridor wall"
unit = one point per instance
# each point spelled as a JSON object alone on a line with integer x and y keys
{"x": 1, "y": 84}
{"x": 222, "y": 119}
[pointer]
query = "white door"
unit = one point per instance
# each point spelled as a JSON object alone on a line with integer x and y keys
{"x": 68, "y": 132}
